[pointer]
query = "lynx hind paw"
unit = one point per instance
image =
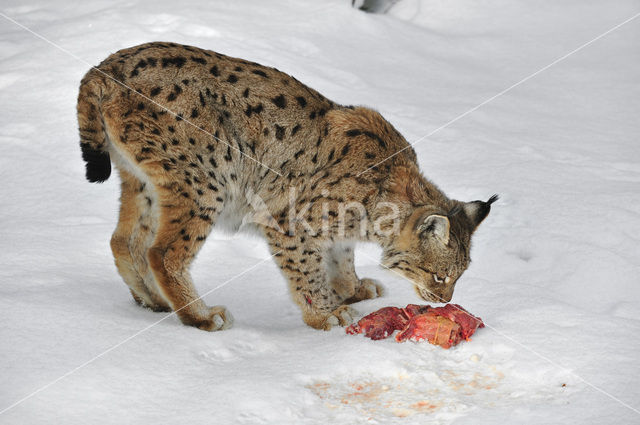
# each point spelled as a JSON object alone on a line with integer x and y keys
{"x": 218, "y": 319}
{"x": 341, "y": 316}
{"x": 369, "y": 289}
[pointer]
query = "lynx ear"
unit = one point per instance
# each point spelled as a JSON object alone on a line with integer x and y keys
{"x": 478, "y": 210}
{"x": 438, "y": 226}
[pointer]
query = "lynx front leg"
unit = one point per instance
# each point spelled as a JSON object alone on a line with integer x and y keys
{"x": 342, "y": 274}
{"x": 341, "y": 271}
{"x": 302, "y": 263}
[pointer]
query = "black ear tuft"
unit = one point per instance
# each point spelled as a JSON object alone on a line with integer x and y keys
{"x": 477, "y": 211}
{"x": 483, "y": 209}
{"x": 493, "y": 199}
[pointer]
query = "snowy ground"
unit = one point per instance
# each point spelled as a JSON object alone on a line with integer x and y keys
{"x": 556, "y": 264}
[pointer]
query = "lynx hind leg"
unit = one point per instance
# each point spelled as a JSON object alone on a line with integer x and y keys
{"x": 183, "y": 225}
{"x": 340, "y": 265}
{"x": 142, "y": 238}
{"x": 121, "y": 240}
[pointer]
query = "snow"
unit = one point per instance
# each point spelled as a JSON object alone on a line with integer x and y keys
{"x": 555, "y": 265}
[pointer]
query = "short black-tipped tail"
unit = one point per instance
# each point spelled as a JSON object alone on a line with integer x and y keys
{"x": 98, "y": 163}
{"x": 93, "y": 138}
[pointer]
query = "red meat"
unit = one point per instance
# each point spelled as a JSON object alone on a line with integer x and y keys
{"x": 413, "y": 309}
{"x": 467, "y": 321}
{"x": 380, "y": 324}
{"x": 444, "y": 326}
{"x": 430, "y": 326}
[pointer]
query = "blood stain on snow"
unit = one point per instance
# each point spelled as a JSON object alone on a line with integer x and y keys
{"x": 411, "y": 394}
{"x": 478, "y": 381}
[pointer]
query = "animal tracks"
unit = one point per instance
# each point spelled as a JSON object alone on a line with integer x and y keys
{"x": 246, "y": 346}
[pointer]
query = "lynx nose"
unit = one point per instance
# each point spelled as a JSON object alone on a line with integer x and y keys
{"x": 445, "y": 298}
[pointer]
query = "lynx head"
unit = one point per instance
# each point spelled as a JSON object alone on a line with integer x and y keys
{"x": 432, "y": 247}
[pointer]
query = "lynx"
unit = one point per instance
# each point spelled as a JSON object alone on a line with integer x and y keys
{"x": 196, "y": 136}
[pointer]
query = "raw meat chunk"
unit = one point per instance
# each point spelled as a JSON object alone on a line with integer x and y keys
{"x": 413, "y": 309}
{"x": 432, "y": 327}
{"x": 445, "y": 326}
{"x": 467, "y": 321}
{"x": 380, "y": 324}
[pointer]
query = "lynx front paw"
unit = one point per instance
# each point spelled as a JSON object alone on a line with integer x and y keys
{"x": 214, "y": 319}
{"x": 367, "y": 289}
{"x": 341, "y": 316}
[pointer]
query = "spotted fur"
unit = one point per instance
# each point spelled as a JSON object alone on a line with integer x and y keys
{"x": 193, "y": 133}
